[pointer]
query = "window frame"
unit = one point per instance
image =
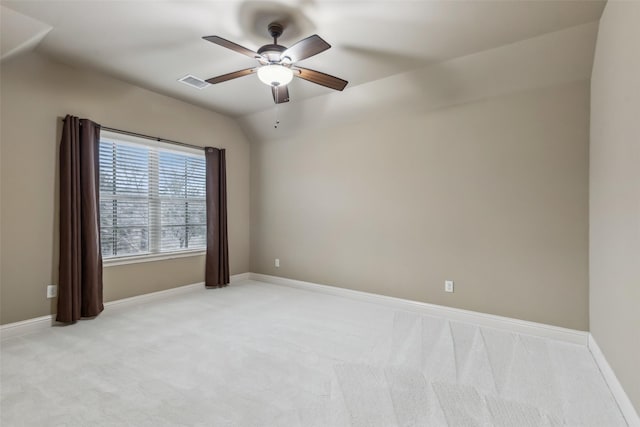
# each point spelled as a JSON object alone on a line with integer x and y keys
{"x": 154, "y": 218}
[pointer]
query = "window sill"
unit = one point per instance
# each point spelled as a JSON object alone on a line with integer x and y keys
{"x": 112, "y": 262}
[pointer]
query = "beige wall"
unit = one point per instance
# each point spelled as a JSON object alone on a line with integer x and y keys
{"x": 36, "y": 92}
{"x": 492, "y": 194}
{"x": 615, "y": 194}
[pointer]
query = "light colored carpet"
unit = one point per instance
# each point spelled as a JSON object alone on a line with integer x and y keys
{"x": 255, "y": 354}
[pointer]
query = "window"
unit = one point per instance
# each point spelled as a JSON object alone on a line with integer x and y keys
{"x": 152, "y": 197}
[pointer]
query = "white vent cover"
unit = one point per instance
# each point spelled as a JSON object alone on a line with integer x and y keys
{"x": 193, "y": 81}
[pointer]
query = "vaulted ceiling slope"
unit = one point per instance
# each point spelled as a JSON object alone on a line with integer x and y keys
{"x": 551, "y": 59}
{"x": 153, "y": 44}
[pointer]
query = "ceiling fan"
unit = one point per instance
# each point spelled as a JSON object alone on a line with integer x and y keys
{"x": 277, "y": 63}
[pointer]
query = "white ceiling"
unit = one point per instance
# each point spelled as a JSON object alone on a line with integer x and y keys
{"x": 154, "y": 43}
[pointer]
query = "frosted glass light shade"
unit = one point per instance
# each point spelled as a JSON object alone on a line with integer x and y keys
{"x": 275, "y": 75}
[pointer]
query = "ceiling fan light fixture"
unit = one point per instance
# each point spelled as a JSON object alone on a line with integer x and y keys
{"x": 275, "y": 75}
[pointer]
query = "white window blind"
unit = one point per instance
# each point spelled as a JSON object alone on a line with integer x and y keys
{"x": 152, "y": 197}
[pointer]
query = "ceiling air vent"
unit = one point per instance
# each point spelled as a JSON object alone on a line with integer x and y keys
{"x": 193, "y": 81}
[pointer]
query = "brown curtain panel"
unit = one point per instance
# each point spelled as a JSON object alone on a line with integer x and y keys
{"x": 80, "y": 280}
{"x": 217, "y": 262}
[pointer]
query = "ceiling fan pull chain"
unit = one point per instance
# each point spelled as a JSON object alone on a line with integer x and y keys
{"x": 276, "y": 121}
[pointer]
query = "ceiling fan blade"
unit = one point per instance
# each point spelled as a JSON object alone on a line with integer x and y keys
{"x": 322, "y": 79}
{"x": 280, "y": 94}
{"x": 233, "y": 46}
{"x": 229, "y": 76}
{"x": 305, "y": 48}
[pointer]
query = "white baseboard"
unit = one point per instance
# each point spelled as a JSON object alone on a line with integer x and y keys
{"x": 240, "y": 277}
{"x": 450, "y": 313}
{"x": 141, "y": 299}
{"x": 625, "y": 405}
{"x": 37, "y": 324}
{"x": 24, "y": 327}
{"x": 153, "y": 296}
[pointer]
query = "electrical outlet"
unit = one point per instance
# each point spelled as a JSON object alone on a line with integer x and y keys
{"x": 448, "y": 285}
{"x": 52, "y": 291}
{"x": 277, "y": 262}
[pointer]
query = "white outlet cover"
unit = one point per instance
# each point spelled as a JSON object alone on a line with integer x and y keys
{"x": 448, "y": 285}
{"x": 277, "y": 262}
{"x": 52, "y": 291}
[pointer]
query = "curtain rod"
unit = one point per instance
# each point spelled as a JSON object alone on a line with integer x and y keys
{"x": 140, "y": 135}
{"x": 154, "y": 138}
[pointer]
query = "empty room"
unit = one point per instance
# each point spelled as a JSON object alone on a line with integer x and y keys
{"x": 320, "y": 213}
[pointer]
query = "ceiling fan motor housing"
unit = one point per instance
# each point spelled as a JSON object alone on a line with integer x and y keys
{"x": 272, "y": 52}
